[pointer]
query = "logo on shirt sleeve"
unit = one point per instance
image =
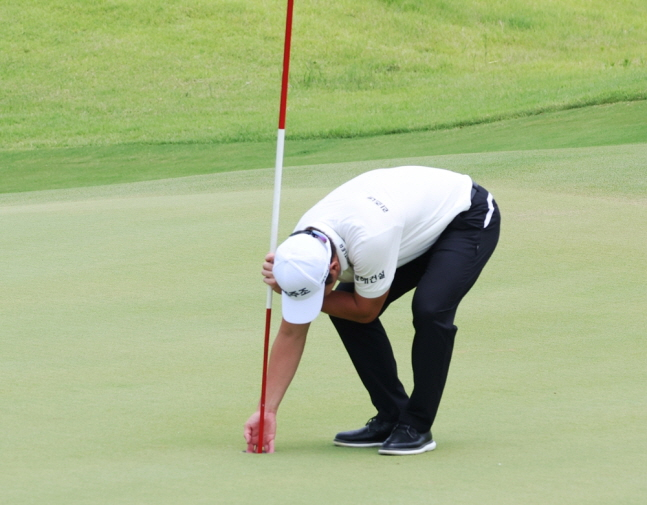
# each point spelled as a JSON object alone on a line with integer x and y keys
{"x": 370, "y": 280}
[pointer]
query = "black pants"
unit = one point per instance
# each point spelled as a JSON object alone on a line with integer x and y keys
{"x": 441, "y": 278}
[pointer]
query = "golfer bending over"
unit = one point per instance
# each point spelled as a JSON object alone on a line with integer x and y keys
{"x": 380, "y": 235}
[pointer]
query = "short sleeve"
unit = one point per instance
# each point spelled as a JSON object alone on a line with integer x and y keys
{"x": 375, "y": 261}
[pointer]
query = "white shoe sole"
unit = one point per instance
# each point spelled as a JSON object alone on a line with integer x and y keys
{"x": 339, "y": 443}
{"x": 429, "y": 446}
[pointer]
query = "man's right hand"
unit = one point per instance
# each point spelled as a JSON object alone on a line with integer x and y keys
{"x": 269, "y": 432}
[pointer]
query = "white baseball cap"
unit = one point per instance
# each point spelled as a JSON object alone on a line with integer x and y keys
{"x": 301, "y": 266}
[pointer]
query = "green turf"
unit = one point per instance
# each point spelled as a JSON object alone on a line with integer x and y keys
{"x": 131, "y": 341}
{"x": 621, "y": 123}
{"x": 131, "y": 307}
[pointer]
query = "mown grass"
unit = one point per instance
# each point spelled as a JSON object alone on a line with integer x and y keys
{"x": 40, "y": 169}
{"x": 131, "y": 346}
{"x": 122, "y": 71}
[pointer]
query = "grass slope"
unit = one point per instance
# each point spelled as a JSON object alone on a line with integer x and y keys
{"x": 131, "y": 344}
{"x": 79, "y": 73}
{"x": 75, "y": 167}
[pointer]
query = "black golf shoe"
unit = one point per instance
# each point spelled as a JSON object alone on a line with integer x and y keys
{"x": 407, "y": 440}
{"x": 372, "y": 435}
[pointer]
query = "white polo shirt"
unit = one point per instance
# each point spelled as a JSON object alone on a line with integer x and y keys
{"x": 385, "y": 218}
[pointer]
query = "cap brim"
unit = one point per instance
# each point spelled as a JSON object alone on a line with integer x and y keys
{"x": 302, "y": 311}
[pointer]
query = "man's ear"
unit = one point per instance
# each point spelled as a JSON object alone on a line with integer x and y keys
{"x": 334, "y": 271}
{"x": 335, "y": 266}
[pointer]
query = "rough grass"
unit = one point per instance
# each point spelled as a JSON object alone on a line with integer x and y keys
{"x": 120, "y": 71}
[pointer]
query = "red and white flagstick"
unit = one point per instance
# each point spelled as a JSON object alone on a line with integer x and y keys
{"x": 276, "y": 202}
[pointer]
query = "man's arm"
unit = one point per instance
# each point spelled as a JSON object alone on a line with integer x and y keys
{"x": 352, "y": 306}
{"x": 284, "y": 361}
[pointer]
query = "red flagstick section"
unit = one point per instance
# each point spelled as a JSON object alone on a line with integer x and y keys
{"x": 261, "y": 424}
{"x": 275, "y": 210}
{"x": 286, "y": 65}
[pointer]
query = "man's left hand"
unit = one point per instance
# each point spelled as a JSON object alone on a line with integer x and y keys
{"x": 268, "y": 275}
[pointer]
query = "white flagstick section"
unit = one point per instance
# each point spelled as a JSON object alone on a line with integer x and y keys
{"x": 276, "y": 204}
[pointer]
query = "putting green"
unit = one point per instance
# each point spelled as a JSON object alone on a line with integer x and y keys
{"x": 131, "y": 343}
